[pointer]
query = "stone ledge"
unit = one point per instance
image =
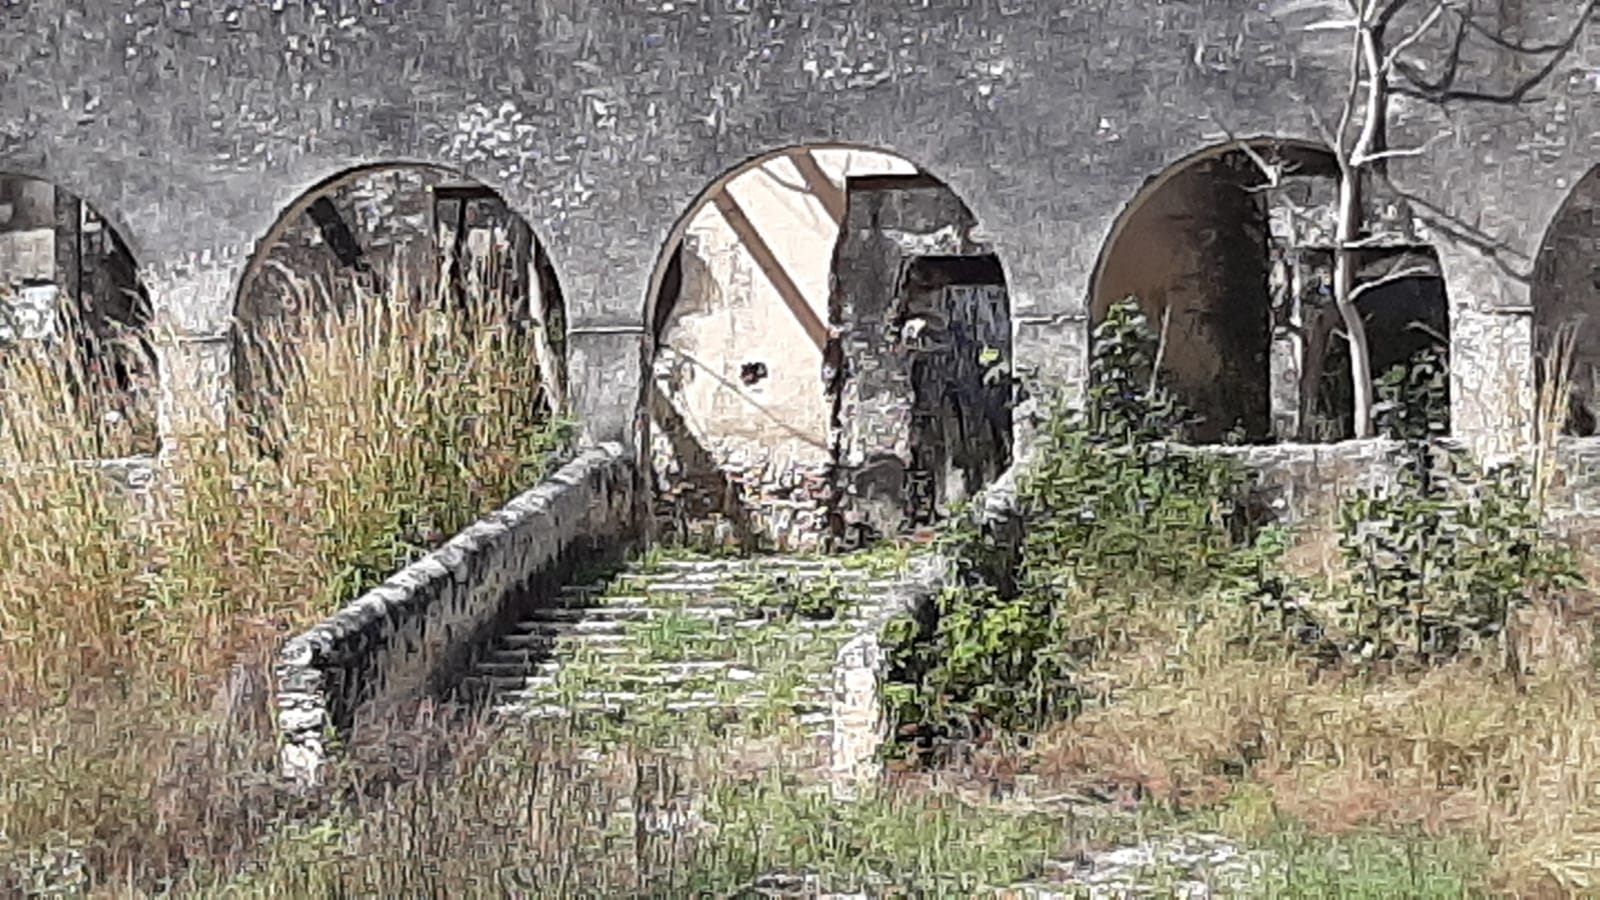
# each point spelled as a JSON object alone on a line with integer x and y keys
{"x": 401, "y": 639}
{"x": 858, "y": 728}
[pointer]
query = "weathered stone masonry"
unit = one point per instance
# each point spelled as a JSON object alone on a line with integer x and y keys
{"x": 916, "y": 299}
{"x": 191, "y": 128}
{"x": 412, "y": 636}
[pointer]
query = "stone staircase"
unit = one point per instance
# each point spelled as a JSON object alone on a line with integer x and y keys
{"x": 734, "y": 645}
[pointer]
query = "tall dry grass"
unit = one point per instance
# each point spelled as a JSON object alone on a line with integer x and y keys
{"x": 134, "y": 629}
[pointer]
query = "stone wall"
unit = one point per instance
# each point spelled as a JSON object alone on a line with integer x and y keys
{"x": 887, "y": 292}
{"x": 1575, "y": 487}
{"x": 413, "y": 635}
{"x": 739, "y": 408}
{"x": 193, "y": 127}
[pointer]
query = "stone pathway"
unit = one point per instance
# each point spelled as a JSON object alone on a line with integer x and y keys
{"x": 733, "y": 644}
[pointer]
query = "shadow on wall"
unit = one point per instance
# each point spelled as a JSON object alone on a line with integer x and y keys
{"x": 740, "y": 333}
{"x": 953, "y": 316}
{"x": 1196, "y": 250}
{"x": 696, "y": 502}
{"x": 1566, "y": 298}
{"x": 827, "y": 340}
{"x": 1405, "y": 317}
{"x": 67, "y": 278}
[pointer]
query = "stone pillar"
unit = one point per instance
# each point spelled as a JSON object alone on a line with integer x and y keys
{"x": 1491, "y": 355}
{"x": 605, "y": 372}
{"x": 1283, "y": 364}
{"x": 1051, "y": 357}
{"x": 193, "y": 299}
{"x": 196, "y": 386}
{"x": 69, "y": 250}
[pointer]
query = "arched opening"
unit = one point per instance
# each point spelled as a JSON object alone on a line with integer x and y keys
{"x": 73, "y": 306}
{"x": 407, "y": 235}
{"x": 1566, "y": 301}
{"x": 1230, "y": 252}
{"x": 832, "y": 352}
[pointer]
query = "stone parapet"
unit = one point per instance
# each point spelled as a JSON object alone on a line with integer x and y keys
{"x": 412, "y": 635}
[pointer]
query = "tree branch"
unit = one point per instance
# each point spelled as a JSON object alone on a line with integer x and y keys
{"x": 1376, "y": 108}
{"x": 1416, "y": 34}
{"x": 1390, "y": 278}
{"x": 1396, "y": 153}
{"x": 1560, "y": 46}
{"x": 1443, "y": 89}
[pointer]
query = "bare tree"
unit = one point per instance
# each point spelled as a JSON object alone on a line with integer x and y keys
{"x": 1386, "y": 39}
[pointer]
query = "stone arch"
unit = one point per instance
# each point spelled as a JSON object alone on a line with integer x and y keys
{"x": 1220, "y": 254}
{"x": 69, "y": 278}
{"x": 396, "y": 230}
{"x": 829, "y": 351}
{"x": 1565, "y": 294}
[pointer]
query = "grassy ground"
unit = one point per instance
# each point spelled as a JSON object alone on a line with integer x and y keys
{"x": 136, "y": 752}
{"x": 1450, "y": 783}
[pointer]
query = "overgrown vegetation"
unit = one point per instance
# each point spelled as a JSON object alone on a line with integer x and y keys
{"x": 1113, "y": 517}
{"x": 134, "y": 627}
{"x": 1139, "y": 591}
{"x": 1138, "y": 655}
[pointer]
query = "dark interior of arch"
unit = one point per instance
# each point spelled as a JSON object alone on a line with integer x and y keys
{"x": 417, "y": 235}
{"x": 1407, "y": 320}
{"x": 68, "y": 280}
{"x": 1241, "y": 271}
{"x": 1566, "y": 301}
{"x": 912, "y": 368}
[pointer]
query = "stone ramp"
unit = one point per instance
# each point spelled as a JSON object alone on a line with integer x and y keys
{"x": 737, "y": 644}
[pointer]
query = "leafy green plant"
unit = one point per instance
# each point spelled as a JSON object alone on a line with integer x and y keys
{"x": 1113, "y": 514}
{"x": 1414, "y": 399}
{"x": 1446, "y": 553}
{"x": 1448, "y": 550}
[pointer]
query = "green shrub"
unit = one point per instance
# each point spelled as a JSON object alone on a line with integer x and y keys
{"x": 1113, "y": 514}
{"x": 1445, "y": 553}
{"x": 1116, "y": 521}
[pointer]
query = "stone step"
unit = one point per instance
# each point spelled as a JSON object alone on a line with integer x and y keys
{"x": 633, "y": 613}
{"x": 621, "y": 675}
{"x": 749, "y": 562}
{"x": 550, "y": 666}
{"x": 848, "y": 624}
{"x": 724, "y": 587}
{"x": 809, "y": 714}
{"x": 537, "y": 634}
{"x": 530, "y": 632}
{"x": 814, "y": 699}
{"x": 531, "y": 650}
{"x": 525, "y": 672}
{"x": 821, "y": 730}
{"x": 647, "y": 678}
